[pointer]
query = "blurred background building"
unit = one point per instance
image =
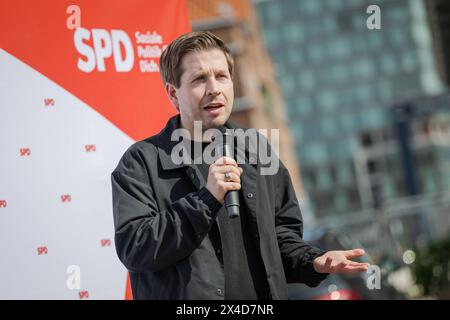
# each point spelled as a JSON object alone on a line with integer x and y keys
{"x": 339, "y": 80}
{"x": 364, "y": 113}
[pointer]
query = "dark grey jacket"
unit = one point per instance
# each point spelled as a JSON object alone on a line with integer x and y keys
{"x": 163, "y": 213}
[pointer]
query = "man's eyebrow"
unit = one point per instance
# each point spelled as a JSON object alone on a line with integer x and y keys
{"x": 199, "y": 74}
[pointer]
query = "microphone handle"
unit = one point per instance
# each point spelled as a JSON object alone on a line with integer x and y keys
{"x": 231, "y": 197}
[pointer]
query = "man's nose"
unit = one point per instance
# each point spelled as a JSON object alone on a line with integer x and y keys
{"x": 212, "y": 88}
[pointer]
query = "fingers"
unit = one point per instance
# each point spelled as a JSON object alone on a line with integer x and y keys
{"x": 226, "y": 173}
{"x": 226, "y": 169}
{"x": 228, "y": 186}
{"x": 354, "y": 264}
{"x": 355, "y": 268}
{"x": 225, "y": 160}
{"x": 350, "y": 266}
{"x": 328, "y": 263}
{"x": 349, "y": 254}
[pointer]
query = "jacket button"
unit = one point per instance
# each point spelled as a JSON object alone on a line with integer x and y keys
{"x": 220, "y": 292}
{"x": 250, "y": 195}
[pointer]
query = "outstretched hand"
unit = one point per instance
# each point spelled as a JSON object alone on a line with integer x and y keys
{"x": 339, "y": 261}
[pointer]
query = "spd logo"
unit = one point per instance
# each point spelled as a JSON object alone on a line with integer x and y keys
{"x": 104, "y": 45}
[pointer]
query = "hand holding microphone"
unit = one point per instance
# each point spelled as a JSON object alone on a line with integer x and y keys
{"x": 223, "y": 179}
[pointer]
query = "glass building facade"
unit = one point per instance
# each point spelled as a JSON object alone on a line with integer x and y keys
{"x": 339, "y": 78}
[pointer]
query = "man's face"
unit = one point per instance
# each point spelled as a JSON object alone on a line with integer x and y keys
{"x": 206, "y": 90}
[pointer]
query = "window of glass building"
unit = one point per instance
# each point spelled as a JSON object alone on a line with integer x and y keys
{"x": 304, "y": 106}
{"x": 315, "y": 53}
{"x": 338, "y": 47}
{"x": 315, "y": 153}
{"x": 346, "y": 99}
{"x": 374, "y": 117}
{"x": 354, "y": 198}
{"x": 363, "y": 93}
{"x": 363, "y": 69}
{"x": 344, "y": 147}
{"x": 375, "y": 40}
{"x": 389, "y": 189}
{"x": 355, "y": 3}
{"x": 398, "y": 37}
{"x": 329, "y": 25}
{"x": 397, "y": 15}
{"x": 324, "y": 179}
{"x": 328, "y": 126}
{"x": 297, "y": 132}
{"x": 293, "y": 32}
{"x": 429, "y": 181}
{"x": 344, "y": 173}
{"x": 310, "y": 7}
{"x": 409, "y": 61}
{"x": 389, "y": 63}
{"x": 311, "y": 129}
{"x": 332, "y": 5}
{"x": 271, "y": 36}
{"x": 406, "y": 84}
{"x": 309, "y": 177}
{"x": 273, "y": 11}
{"x": 306, "y": 80}
{"x": 384, "y": 91}
{"x": 295, "y": 58}
{"x": 288, "y": 85}
{"x": 339, "y": 73}
{"x": 347, "y": 121}
{"x": 359, "y": 21}
{"x": 327, "y": 101}
{"x": 340, "y": 201}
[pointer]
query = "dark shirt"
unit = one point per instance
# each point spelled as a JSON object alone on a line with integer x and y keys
{"x": 236, "y": 250}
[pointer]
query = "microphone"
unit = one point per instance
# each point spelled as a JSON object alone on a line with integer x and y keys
{"x": 231, "y": 197}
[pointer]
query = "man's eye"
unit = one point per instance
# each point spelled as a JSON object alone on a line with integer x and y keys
{"x": 222, "y": 76}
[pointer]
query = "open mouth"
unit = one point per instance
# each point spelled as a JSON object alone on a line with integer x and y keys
{"x": 214, "y": 106}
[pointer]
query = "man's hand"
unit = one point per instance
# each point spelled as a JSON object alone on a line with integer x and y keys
{"x": 224, "y": 175}
{"x": 339, "y": 261}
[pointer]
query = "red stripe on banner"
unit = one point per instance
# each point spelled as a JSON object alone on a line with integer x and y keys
{"x": 128, "y": 292}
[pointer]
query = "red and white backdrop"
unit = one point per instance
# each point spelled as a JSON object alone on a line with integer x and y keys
{"x": 79, "y": 83}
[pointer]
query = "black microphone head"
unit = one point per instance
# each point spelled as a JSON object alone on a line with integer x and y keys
{"x": 219, "y": 133}
{"x": 222, "y": 129}
{"x": 226, "y": 132}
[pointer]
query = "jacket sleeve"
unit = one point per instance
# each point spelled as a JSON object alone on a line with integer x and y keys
{"x": 147, "y": 239}
{"x": 297, "y": 254}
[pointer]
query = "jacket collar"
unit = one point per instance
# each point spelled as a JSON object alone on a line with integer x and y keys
{"x": 165, "y": 144}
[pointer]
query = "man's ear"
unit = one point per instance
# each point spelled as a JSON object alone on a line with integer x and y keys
{"x": 173, "y": 96}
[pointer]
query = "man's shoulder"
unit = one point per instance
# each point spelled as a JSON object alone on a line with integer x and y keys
{"x": 140, "y": 151}
{"x": 146, "y": 147}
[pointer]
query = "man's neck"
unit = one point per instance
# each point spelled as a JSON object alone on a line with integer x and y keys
{"x": 200, "y": 135}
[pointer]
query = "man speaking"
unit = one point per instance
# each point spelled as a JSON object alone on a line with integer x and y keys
{"x": 172, "y": 230}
